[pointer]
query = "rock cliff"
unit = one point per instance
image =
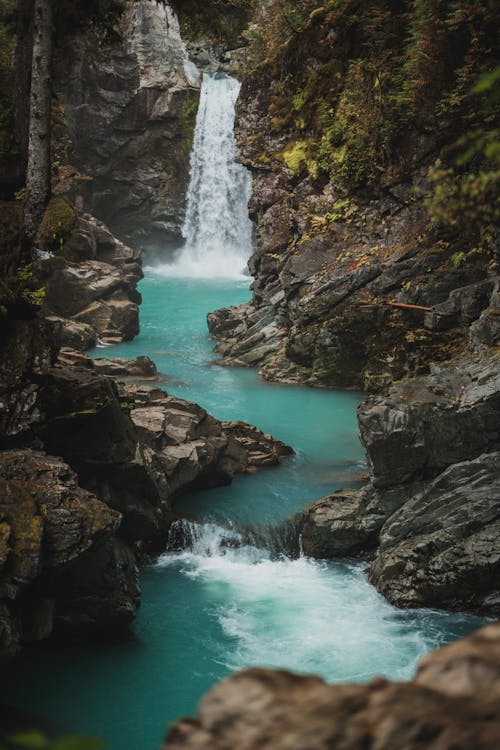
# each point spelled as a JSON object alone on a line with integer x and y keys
{"x": 367, "y": 266}
{"x": 430, "y": 515}
{"x": 129, "y": 112}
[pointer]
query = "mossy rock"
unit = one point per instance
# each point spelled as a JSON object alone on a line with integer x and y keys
{"x": 58, "y": 223}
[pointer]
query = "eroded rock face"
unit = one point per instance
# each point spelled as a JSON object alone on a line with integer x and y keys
{"x": 430, "y": 516}
{"x": 58, "y": 553}
{"x": 92, "y": 291}
{"x": 442, "y": 547}
{"x": 452, "y": 704}
{"x": 130, "y": 111}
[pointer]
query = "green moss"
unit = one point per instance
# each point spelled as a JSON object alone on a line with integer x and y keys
{"x": 297, "y": 157}
{"x": 58, "y": 223}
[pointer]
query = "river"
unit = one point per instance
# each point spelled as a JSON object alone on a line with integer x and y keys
{"x": 217, "y": 606}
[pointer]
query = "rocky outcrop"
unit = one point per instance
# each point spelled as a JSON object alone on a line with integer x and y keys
{"x": 431, "y": 514}
{"x": 60, "y": 559}
{"x": 91, "y": 290}
{"x": 130, "y": 110}
{"x": 451, "y": 704}
{"x": 342, "y": 220}
{"x": 262, "y": 449}
{"x": 71, "y": 527}
{"x": 329, "y": 309}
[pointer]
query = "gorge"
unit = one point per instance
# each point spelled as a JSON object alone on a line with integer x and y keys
{"x": 253, "y": 575}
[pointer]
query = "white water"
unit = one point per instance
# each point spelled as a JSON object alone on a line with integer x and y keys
{"x": 217, "y": 229}
{"x": 301, "y": 614}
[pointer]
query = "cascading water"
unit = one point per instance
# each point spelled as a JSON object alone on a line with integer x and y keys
{"x": 217, "y": 228}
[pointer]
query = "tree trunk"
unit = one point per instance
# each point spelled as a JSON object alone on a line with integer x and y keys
{"x": 22, "y": 77}
{"x": 38, "y": 170}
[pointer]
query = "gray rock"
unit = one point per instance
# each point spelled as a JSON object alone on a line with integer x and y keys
{"x": 425, "y": 424}
{"x": 442, "y": 547}
{"x": 130, "y": 112}
{"x": 49, "y": 526}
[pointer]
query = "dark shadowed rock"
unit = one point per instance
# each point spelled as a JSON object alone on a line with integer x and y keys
{"x": 337, "y": 526}
{"x": 430, "y": 516}
{"x": 452, "y": 704}
{"x": 53, "y": 533}
{"x": 130, "y": 112}
{"x": 425, "y": 424}
{"x": 442, "y": 547}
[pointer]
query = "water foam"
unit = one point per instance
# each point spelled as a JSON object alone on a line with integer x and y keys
{"x": 300, "y": 614}
{"x": 217, "y": 228}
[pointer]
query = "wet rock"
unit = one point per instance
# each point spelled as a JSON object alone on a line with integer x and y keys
{"x": 430, "y": 515}
{"x": 452, "y": 704}
{"x": 140, "y": 368}
{"x": 262, "y": 449}
{"x": 426, "y": 424}
{"x": 49, "y": 525}
{"x": 338, "y": 526}
{"x": 442, "y": 547}
{"x": 73, "y": 335}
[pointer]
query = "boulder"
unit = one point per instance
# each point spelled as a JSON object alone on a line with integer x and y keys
{"x": 262, "y": 449}
{"x": 442, "y": 547}
{"x": 425, "y": 424}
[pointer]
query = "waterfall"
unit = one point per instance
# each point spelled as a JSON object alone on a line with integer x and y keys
{"x": 217, "y": 229}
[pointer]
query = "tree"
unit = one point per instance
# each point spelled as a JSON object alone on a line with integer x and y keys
{"x": 38, "y": 166}
{"x": 37, "y": 21}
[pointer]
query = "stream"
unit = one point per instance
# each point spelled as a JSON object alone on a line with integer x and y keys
{"x": 220, "y": 604}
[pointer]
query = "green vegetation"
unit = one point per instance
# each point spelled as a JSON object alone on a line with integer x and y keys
{"x": 57, "y": 225}
{"x": 370, "y": 87}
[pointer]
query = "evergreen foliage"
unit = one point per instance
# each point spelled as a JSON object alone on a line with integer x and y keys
{"x": 370, "y": 87}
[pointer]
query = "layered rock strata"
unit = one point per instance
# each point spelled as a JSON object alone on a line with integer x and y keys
{"x": 451, "y": 704}
{"x": 91, "y": 290}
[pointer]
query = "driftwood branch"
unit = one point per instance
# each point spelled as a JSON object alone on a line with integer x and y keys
{"x": 410, "y": 307}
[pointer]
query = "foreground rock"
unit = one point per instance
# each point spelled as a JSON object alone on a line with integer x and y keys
{"x": 431, "y": 514}
{"x": 453, "y": 703}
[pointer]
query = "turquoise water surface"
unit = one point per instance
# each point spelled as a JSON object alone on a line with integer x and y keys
{"x": 220, "y": 606}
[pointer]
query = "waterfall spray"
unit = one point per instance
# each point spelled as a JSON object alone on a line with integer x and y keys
{"x": 217, "y": 229}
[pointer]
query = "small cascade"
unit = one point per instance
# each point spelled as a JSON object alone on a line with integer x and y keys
{"x": 217, "y": 228}
{"x": 288, "y": 610}
{"x": 269, "y": 541}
